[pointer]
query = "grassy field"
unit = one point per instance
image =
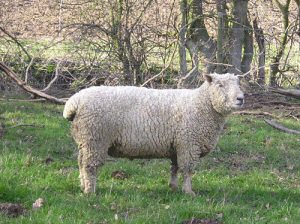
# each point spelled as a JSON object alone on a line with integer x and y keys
{"x": 252, "y": 177}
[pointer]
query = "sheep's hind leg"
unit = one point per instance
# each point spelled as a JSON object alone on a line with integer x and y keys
{"x": 89, "y": 178}
{"x": 81, "y": 170}
{"x": 90, "y": 161}
{"x": 174, "y": 177}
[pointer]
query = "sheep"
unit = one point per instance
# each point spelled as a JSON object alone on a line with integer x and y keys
{"x": 135, "y": 122}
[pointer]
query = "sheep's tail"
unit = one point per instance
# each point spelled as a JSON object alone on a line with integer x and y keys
{"x": 70, "y": 108}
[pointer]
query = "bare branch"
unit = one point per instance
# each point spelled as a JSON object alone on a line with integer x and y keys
{"x": 257, "y": 113}
{"x": 16, "y": 41}
{"x": 181, "y": 80}
{"x": 287, "y": 92}
{"x": 27, "y": 69}
{"x": 28, "y": 88}
{"x": 281, "y": 128}
{"x": 54, "y": 79}
{"x": 163, "y": 70}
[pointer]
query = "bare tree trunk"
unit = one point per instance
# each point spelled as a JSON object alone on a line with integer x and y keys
{"x": 260, "y": 39}
{"x": 117, "y": 38}
{"x": 248, "y": 47}
{"x": 198, "y": 38}
{"x": 238, "y": 34}
{"x": 222, "y": 27}
{"x": 298, "y": 16}
{"x": 274, "y": 67}
{"x": 182, "y": 33}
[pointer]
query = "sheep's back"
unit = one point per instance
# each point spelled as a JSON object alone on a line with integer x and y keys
{"x": 139, "y": 122}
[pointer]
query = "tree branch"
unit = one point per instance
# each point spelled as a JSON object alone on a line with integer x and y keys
{"x": 16, "y": 41}
{"x": 28, "y": 88}
{"x": 281, "y": 128}
{"x": 287, "y": 92}
{"x": 54, "y": 79}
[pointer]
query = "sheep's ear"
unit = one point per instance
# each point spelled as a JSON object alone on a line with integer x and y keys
{"x": 208, "y": 77}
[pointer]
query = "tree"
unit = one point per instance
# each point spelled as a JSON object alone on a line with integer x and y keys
{"x": 241, "y": 52}
{"x": 274, "y": 68}
{"x": 234, "y": 43}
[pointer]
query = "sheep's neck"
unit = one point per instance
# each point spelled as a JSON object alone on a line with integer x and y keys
{"x": 205, "y": 109}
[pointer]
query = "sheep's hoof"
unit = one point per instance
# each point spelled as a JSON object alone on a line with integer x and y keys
{"x": 89, "y": 191}
{"x": 190, "y": 192}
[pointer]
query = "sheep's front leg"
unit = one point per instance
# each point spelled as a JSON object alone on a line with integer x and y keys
{"x": 174, "y": 177}
{"x": 186, "y": 166}
{"x": 187, "y": 182}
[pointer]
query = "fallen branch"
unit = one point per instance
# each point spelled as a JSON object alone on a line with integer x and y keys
{"x": 262, "y": 113}
{"x": 23, "y": 100}
{"x": 27, "y": 125}
{"x": 281, "y": 128}
{"x": 281, "y": 103}
{"x": 287, "y": 92}
{"x": 28, "y": 88}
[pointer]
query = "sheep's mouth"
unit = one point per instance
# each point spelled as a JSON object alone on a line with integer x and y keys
{"x": 238, "y": 105}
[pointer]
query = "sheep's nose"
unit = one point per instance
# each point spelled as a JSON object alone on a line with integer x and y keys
{"x": 240, "y": 100}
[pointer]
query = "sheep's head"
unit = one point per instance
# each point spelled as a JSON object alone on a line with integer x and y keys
{"x": 224, "y": 91}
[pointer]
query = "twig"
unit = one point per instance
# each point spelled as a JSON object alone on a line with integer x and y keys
{"x": 281, "y": 128}
{"x": 280, "y": 103}
{"x": 28, "y": 100}
{"x": 251, "y": 70}
{"x": 27, "y": 125}
{"x": 27, "y": 69}
{"x": 181, "y": 80}
{"x": 24, "y": 100}
{"x": 294, "y": 117}
{"x": 163, "y": 70}
{"x": 16, "y": 41}
{"x": 243, "y": 112}
{"x": 54, "y": 79}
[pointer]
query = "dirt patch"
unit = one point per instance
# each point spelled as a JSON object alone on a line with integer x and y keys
{"x": 48, "y": 160}
{"x": 201, "y": 221}
{"x": 269, "y": 100}
{"x": 12, "y": 210}
{"x": 119, "y": 174}
{"x": 241, "y": 160}
{"x": 270, "y": 105}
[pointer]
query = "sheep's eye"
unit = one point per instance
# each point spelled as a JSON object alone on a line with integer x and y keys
{"x": 219, "y": 85}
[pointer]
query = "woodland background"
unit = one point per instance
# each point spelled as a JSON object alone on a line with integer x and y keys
{"x": 154, "y": 43}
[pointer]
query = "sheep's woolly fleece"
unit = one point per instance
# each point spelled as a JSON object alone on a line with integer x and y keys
{"x": 136, "y": 122}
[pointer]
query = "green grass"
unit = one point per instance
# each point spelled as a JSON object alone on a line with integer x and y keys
{"x": 252, "y": 177}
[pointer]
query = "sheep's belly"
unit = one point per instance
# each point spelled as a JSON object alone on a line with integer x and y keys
{"x": 133, "y": 152}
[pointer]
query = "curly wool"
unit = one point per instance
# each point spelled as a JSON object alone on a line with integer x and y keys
{"x": 136, "y": 122}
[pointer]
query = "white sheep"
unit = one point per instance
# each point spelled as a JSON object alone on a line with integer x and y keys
{"x": 136, "y": 122}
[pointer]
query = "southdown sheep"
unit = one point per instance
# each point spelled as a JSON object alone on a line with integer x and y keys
{"x": 135, "y": 122}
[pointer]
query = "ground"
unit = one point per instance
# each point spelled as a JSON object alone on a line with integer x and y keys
{"x": 253, "y": 176}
